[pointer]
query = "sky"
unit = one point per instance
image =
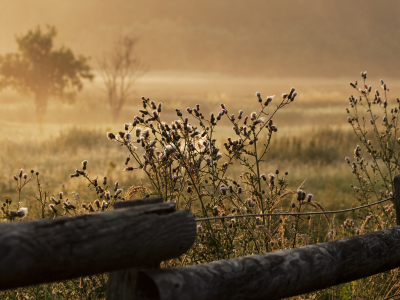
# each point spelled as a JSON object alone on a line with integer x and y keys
{"x": 290, "y": 38}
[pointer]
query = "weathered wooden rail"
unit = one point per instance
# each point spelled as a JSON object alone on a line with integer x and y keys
{"x": 282, "y": 273}
{"x": 131, "y": 241}
{"x": 51, "y": 250}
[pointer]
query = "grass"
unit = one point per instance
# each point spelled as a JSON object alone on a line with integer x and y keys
{"x": 312, "y": 140}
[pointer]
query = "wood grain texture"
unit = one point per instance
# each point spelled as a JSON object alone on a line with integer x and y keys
{"x": 138, "y": 202}
{"x": 397, "y": 197}
{"x": 51, "y": 250}
{"x": 122, "y": 283}
{"x": 283, "y": 273}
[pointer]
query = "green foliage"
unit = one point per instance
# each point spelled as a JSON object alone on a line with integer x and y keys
{"x": 39, "y": 69}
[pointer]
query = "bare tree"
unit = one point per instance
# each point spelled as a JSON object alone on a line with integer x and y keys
{"x": 120, "y": 69}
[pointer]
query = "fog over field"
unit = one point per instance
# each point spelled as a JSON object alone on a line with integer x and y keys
{"x": 264, "y": 38}
{"x": 233, "y": 90}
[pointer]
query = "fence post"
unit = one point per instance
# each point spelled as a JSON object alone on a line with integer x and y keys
{"x": 397, "y": 197}
{"x": 122, "y": 283}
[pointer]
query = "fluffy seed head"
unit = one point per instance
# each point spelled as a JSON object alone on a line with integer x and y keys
{"x": 110, "y": 135}
{"x": 23, "y": 211}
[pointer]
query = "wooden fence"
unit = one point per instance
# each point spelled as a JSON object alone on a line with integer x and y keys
{"x": 131, "y": 241}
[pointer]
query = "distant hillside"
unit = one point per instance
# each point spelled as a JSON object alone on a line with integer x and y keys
{"x": 267, "y": 38}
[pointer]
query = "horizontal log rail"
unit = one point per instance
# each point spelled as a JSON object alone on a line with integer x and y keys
{"x": 278, "y": 274}
{"x": 42, "y": 251}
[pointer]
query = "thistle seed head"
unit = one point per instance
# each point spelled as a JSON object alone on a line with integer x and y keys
{"x": 110, "y": 136}
{"x": 22, "y": 212}
{"x": 223, "y": 190}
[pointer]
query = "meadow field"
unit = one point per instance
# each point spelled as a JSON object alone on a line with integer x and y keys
{"x": 311, "y": 143}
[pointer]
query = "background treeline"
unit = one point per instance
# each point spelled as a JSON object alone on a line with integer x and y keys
{"x": 266, "y": 38}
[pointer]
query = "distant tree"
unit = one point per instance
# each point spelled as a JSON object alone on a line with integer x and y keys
{"x": 39, "y": 69}
{"x": 120, "y": 68}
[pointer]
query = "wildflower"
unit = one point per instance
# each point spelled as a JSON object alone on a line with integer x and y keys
{"x": 145, "y": 134}
{"x": 22, "y": 212}
{"x": 84, "y": 164}
{"x": 263, "y": 177}
{"x": 356, "y": 189}
{"x": 272, "y": 243}
{"x": 253, "y": 116}
{"x": 53, "y": 208}
{"x": 291, "y": 93}
{"x": 272, "y": 176}
{"x": 273, "y": 128}
{"x": 189, "y": 110}
{"x": 357, "y": 231}
{"x": 223, "y": 190}
{"x": 215, "y": 210}
{"x": 104, "y": 205}
{"x": 110, "y": 136}
{"x": 239, "y": 190}
{"x": 364, "y": 75}
{"x": 233, "y": 221}
{"x": 127, "y": 169}
{"x": 199, "y": 228}
{"x": 300, "y": 195}
{"x": 371, "y": 121}
{"x": 309, "y": 197}
{"x": 97, "y": 203}
{"x": 117, "y": 192}
{"x": 293, "y": 96}
{"x": 258, "y": 219}
{"x": 269, "y": 100}
{"x": 169, "y": 149}
{"x": 259, "y": 120}
{"x": 258, "y": 94}
{"x": 128, "y": 136}
{"x": 25, "y": 176}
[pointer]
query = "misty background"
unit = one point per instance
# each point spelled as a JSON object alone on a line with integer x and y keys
{"x": 288, "y": 38}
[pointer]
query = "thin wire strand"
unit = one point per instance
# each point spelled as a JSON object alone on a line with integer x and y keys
{"x": 294, "y": 214}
